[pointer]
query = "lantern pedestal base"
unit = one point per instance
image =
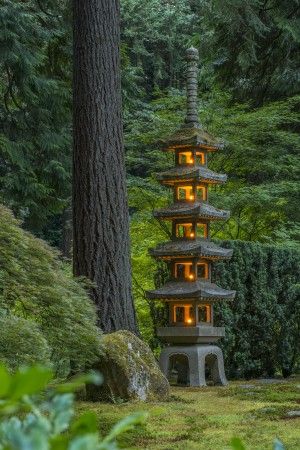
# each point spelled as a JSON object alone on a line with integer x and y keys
{"x": 191, "y": 335}
{"x": 191, "y": 362}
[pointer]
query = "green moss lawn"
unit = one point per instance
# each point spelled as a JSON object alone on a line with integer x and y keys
{"x": 208, "y": 418}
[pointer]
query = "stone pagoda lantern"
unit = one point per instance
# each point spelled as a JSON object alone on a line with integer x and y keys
{"x": 190, "y": 336}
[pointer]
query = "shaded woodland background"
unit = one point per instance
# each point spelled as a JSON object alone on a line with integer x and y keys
{"x": 250, "y": 96}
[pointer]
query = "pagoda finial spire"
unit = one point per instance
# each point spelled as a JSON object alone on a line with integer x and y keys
{"x": 192, "y": 58}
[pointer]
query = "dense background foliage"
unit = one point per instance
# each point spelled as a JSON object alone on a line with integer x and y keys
{"x": 249, "y": 96}
{"x": 249, "y": 82}
{"x": 35, "y": 130}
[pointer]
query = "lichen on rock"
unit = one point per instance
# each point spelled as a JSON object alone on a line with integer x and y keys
{"x": 129, "y": 369}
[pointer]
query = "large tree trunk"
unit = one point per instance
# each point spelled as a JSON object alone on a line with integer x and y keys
{"x": 101, "y": 248}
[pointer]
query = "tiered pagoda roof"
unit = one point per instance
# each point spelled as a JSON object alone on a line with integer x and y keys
{"x": 194, "y": 135}
{"x": 205, "y": 290}
{"x": 195, "y": 210}
{"x": 184, "y": 174}
{"x": 198, "y": 247}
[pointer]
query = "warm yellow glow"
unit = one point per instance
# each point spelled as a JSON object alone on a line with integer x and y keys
{"x": 185, "y": 158}
{"x": 183, "y": 270}
{"x": 184, "y": 230}
{"x": 185, "y": 193}
{"x": 208, "y": 312}
{"x": 183, "y": 313}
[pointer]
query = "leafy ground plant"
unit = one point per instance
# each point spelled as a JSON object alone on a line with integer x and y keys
{"x": 35, "y": 416}
{"x": 46, "y": 316}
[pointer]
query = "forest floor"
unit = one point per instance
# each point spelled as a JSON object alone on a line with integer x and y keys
{"x": 208, "y": 418}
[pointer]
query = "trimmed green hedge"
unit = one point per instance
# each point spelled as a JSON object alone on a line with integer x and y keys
{"x": 263, "y": 322}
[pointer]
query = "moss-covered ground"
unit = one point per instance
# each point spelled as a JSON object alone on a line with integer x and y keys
{"x": 208, "y": 418}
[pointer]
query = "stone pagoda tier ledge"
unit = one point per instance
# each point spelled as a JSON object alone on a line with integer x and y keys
{"x": 184, "y": 174}
{"x": 203, "y": 290}
{"x": 196, "y": 210}
{"x": 191, "y": 136}
{"x": 191, "y": 334}
{"x": 191, "y": 247}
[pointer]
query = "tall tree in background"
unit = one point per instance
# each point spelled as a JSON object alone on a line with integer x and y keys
{"x": 35, "y": 115}
{"x": 100, "y": 211}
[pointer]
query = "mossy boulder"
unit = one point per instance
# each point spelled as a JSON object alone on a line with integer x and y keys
{"x": 129, "y": 369}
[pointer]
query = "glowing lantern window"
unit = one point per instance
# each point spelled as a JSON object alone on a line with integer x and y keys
{"x": 184, "y": 271}
{"x": 204, "y": 313}
{"x": 185, "y": 193}
{"x": 202, "y": 270}
{"x": 185, "y": 158}
{"x": 201, "y": 193}
{"x": 201, "y": 230}
{"x": 200, "y": 158}
{"x": 185, "y": 230}
{"x": 183, "y": 314}
{"x": 179, "y": 314}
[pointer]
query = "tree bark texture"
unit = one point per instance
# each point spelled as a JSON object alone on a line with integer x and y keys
{"x": 101, "y": 247}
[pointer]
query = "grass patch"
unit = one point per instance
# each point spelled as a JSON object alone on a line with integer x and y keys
{"x": 208, "y": 418}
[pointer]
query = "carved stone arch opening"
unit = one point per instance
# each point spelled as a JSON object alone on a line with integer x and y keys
{"x": 179, "y": 369}
{"x": 212, "y": 375}
{"x": 185, "y": 365}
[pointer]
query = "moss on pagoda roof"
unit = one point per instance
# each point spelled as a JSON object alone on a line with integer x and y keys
{"x": 190, "y": 173}
{"x": 192, "y": 136}
{"x": 191, "y": 247}
{"x": 198, "y": 210}
{"x": 191, "y": 290}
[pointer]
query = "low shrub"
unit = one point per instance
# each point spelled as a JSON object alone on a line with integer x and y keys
{"x": 51, "y": 313}
{"x": 22, "y": 343}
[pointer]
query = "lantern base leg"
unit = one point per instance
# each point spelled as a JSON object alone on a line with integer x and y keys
{"x": 192, "y": 362}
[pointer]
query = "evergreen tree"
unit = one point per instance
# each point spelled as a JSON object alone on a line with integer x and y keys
{"x": 249, "y": 54}
{"x": 34, "y": 111}
{"x": 251, "y": 46}
{"x": 100, "y": 210}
